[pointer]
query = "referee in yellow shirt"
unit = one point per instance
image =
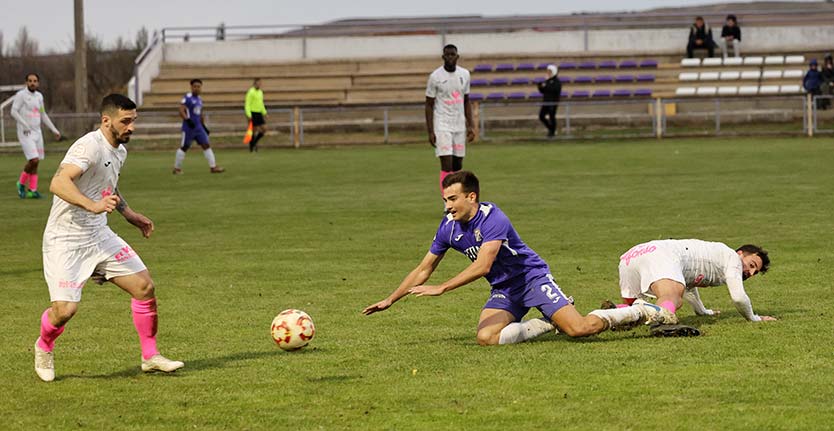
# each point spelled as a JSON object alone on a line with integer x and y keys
{"x": 256, "y": 113}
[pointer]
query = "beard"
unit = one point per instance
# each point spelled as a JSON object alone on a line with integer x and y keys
{"x": 118, "y": 138}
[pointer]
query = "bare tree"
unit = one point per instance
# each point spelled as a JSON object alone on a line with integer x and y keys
{"x": 141, "y": 39}
{"x": 24, "y": 46}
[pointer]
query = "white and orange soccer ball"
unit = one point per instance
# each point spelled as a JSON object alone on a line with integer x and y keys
{"x": 292, "y": 329}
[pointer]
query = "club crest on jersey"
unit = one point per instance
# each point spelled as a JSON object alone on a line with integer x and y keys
{"x": 478, "y": 236}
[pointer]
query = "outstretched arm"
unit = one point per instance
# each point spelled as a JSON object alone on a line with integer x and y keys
{"x": 693, "y": 297}
{"x": 418, "y": 275}
{"x": 143, "y": 223}
{"x": 477, "y": 269}
{"x": 742, "y": 301}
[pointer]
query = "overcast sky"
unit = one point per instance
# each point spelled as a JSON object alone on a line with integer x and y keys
{"x": 50, "y": 22}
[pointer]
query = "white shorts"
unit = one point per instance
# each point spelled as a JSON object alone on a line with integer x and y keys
{"x": 450, "y": 144}
{"x": 66, "y": 271}
{"x": 644, "y": 264}
{"x": 32, "y": 144}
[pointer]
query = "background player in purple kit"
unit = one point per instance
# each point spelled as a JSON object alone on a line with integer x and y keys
{"x": 520, "y": 279}
{"x": 194, "y": 129}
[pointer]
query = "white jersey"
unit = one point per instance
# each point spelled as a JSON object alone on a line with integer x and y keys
{"x": 28, "y": 110}
{"x": 73, "y": 227}
{"x": 706, "y": 263}
{"x": 448, "y": 89}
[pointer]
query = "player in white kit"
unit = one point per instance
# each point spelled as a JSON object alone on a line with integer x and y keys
{"x": 28, "y": 111}
{"x": 78, "y": 244}
{"x": 673, "y": 270}
{"x": 449, "y": 113}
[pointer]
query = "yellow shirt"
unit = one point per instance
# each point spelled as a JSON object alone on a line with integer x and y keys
{"x": 254, "y": 102}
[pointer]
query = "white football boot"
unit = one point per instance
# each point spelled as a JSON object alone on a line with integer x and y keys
{"x": 44, "y": 364}
{"x": 655, "y": 314}
{"x": 160, "y": 363}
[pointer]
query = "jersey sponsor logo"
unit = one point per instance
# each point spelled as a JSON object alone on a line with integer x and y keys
{"x": 637, "y": 251}
{"x": 472, "y": 252}
{"x": 124, "y": 254}
{"x": 107, "y": 192}
{"x": 457, "y": 98}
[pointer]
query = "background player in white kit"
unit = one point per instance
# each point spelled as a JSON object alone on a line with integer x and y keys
{"x": 673, "y": 270}
{"x": 78, "y": 243}
{"x": 28, "y": 111}
{"x": 448, "y": 113}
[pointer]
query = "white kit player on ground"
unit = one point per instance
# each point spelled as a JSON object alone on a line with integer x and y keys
{"x": 78, "y": 244}
{"x": 449, "y": 113}
{"x": 673, "y": 270}
{"x": 28, "y": 111}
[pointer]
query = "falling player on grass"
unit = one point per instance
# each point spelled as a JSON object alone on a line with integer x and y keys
{"x": 77, "y": 243}
{"x": 673, "y": 270}
{"x": 520, "y": 279}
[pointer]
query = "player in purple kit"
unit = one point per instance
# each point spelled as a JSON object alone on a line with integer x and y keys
{"x": 194, "y": 129}
{"x": 520, "y": 279}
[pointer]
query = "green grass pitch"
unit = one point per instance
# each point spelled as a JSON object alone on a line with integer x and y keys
{"x": 332, "y": 230}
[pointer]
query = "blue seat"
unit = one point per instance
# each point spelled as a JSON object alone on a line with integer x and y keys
{"x": 566, "y": 65}
{"x": 580, "y": 94}
{"x": 564, "y": 79}
{"x": 608, "y": 64}
{"x": 495, "y": 96}
{"x": 604, "y": 79}
{"x": 645, "y": 78}
{"x": 582, "y": 80}
{"x": 648, "y": 64}
{"x": 505, "y": 67}
{"x": 543, "y": 66}
{"x": 499, "y": 81}
{"x": 479, "y": 82}
{"x": 535, "y": 95}
{"x": 520, "y": 81}
{"x": 526, "y": 66}
{"x": 624, "y": 78}
{"x": 564, "y": 94}
{"x": 539, "y": 79}
{"x": 601, "y": 93}
{"x": 644, "y": 92}
{"x": 588, "y": 65}
{"x": 476, "y": 97}
{"x": 517, "y": 95}
{"x": 628, "y": 64}
{"x": 621, "y": 93}
{"x": 483, "y": 68}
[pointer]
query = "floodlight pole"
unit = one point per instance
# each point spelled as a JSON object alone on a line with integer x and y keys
{"x": 80, "y": 59}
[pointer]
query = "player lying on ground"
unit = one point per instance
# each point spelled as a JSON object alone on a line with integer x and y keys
{"x": 520, "y": 279}
{"x": 673, "y": 270}
{"x": 78, "y": 243}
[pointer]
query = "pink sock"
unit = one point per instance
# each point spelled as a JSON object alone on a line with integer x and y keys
{"x": 144, "y": 319}
{"x": 49, "y": 332}
{"x": 443, "y": 175}
{"x": 33, "y": 182}
{"x": 669, "y": 305}
{"x": 24, "y": 178}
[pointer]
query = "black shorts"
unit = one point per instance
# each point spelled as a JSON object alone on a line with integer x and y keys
{"x": 258, "y": 119}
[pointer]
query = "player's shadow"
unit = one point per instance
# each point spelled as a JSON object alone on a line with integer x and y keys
{"x": 190, "y": 365}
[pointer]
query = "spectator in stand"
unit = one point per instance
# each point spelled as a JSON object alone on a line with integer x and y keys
{"x": 730, "y": 37}
{"x": 551, "y": 91}
{"x": 700, "y": 37}
{"x": 813, "y": 80}
{"x": 827, "y": 87}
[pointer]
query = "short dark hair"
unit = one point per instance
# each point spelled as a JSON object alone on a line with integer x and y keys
{"x": 114, "y": 102}
{"x": 196, "y": 80}
{"x": 467, "y": 180}
{"x": 699, "y": 18}
{"x": 731, "y": 17}
{"x": 31, "y": 74}
{"x": 450, "y": 46}
{"x": 256, "y": 80}
{"x": 762, "y": 253}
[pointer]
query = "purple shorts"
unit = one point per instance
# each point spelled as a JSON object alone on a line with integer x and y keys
{"x": 197, "y": 134}
{"x": 542, "y": 293}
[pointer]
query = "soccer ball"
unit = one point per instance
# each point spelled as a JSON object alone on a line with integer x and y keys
{"x": 292, "y": 329}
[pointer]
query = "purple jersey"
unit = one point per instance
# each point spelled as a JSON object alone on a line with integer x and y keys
{"x": 194, "y": 109}
{"x": 516, "y": 263}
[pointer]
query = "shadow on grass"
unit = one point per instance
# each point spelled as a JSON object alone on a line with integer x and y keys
{"x": 193, "y": 365}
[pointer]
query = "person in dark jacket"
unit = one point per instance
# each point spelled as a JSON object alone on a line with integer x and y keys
{"x": 827, "y": 87}
{"x": 813, "y": 80}
{"x": 551, "y": 91}
{"x": 731, "y": 37}
{"x": 700, "y": 37}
